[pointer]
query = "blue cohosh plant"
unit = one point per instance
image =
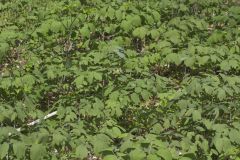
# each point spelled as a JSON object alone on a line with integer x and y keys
{"x": 129, "y": 80}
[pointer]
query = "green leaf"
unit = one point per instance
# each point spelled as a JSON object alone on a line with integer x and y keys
{"x": 233, "y": 63}
{"x": 207, "y": 123}
{"x": 111, "y": 13}
{"x": 225, "y": 65}
{"x": 234, "y": 136}
{"x": 7, "y": 35}
{"x": 80, "y": 81}
{"x": 174, "y": 58}
{"x": 196, "y": 115}
{"x": 157, "y": 128}
{"x": 85, "y": 32}
{"x": 4, "y": 150}
{"x": 120, "y": 52}
{"x": 100, "y": 143}
{"x": 19, "y": 149}
{"x": 216, "y": 37}
{"x": 29, "y": 81}
{"x": 108, "y": 90}
{"x": 209, "y": 90}
{"x": 97, "y": 76}
{"x": 126, "y": 25}
{"x": 118, "y": 15}
{"x": 156, "y": 15}
{"x": 183, "y": 8}
{"x": 154, "y": 34}
{"x": 221, "y": 94}
{"x": 185, "y": 158}
{"x": 135, "y": 98}
{"x": 81, "y": 151}
{"x": 110, "y": 157}
{"x": 4, "y": 47}
{"x": 145, "y": 95}
{"x": 164, "y": 153}
{"x": 140, "y": 32}
{"x": 203, "y": 60}
{"x": 221, "y": 143}
{"x": 135, "y": 20}
{"x": 137, "y": 154}
{"x": 37, "y": 151}
{"x": 152, "y": 157}
{"x": 149, "y": 19}
{"x": 116, "y": 132}
{"x": 58, "y": 138}
{"x": 56, "y": 26}
{"x": 173, "y": 36}
{"x": 126, "y": 145}
{"x": 189, "y": 62}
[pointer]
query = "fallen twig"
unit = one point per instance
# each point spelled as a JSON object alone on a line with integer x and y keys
{"x": 38, "y": 120}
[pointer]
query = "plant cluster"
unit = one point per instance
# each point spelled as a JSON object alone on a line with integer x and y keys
{"x": 130, "y": 80}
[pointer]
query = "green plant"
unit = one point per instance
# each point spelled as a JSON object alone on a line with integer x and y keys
{"x": 129, "y": 80}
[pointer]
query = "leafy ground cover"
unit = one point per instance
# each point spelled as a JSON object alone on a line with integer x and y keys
{"x": 130, "y": 80}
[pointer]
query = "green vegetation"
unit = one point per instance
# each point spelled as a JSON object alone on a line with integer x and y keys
{"x": 130, "y": 80}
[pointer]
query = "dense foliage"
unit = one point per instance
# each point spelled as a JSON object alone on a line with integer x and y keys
{"x": 130, "y": 80}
